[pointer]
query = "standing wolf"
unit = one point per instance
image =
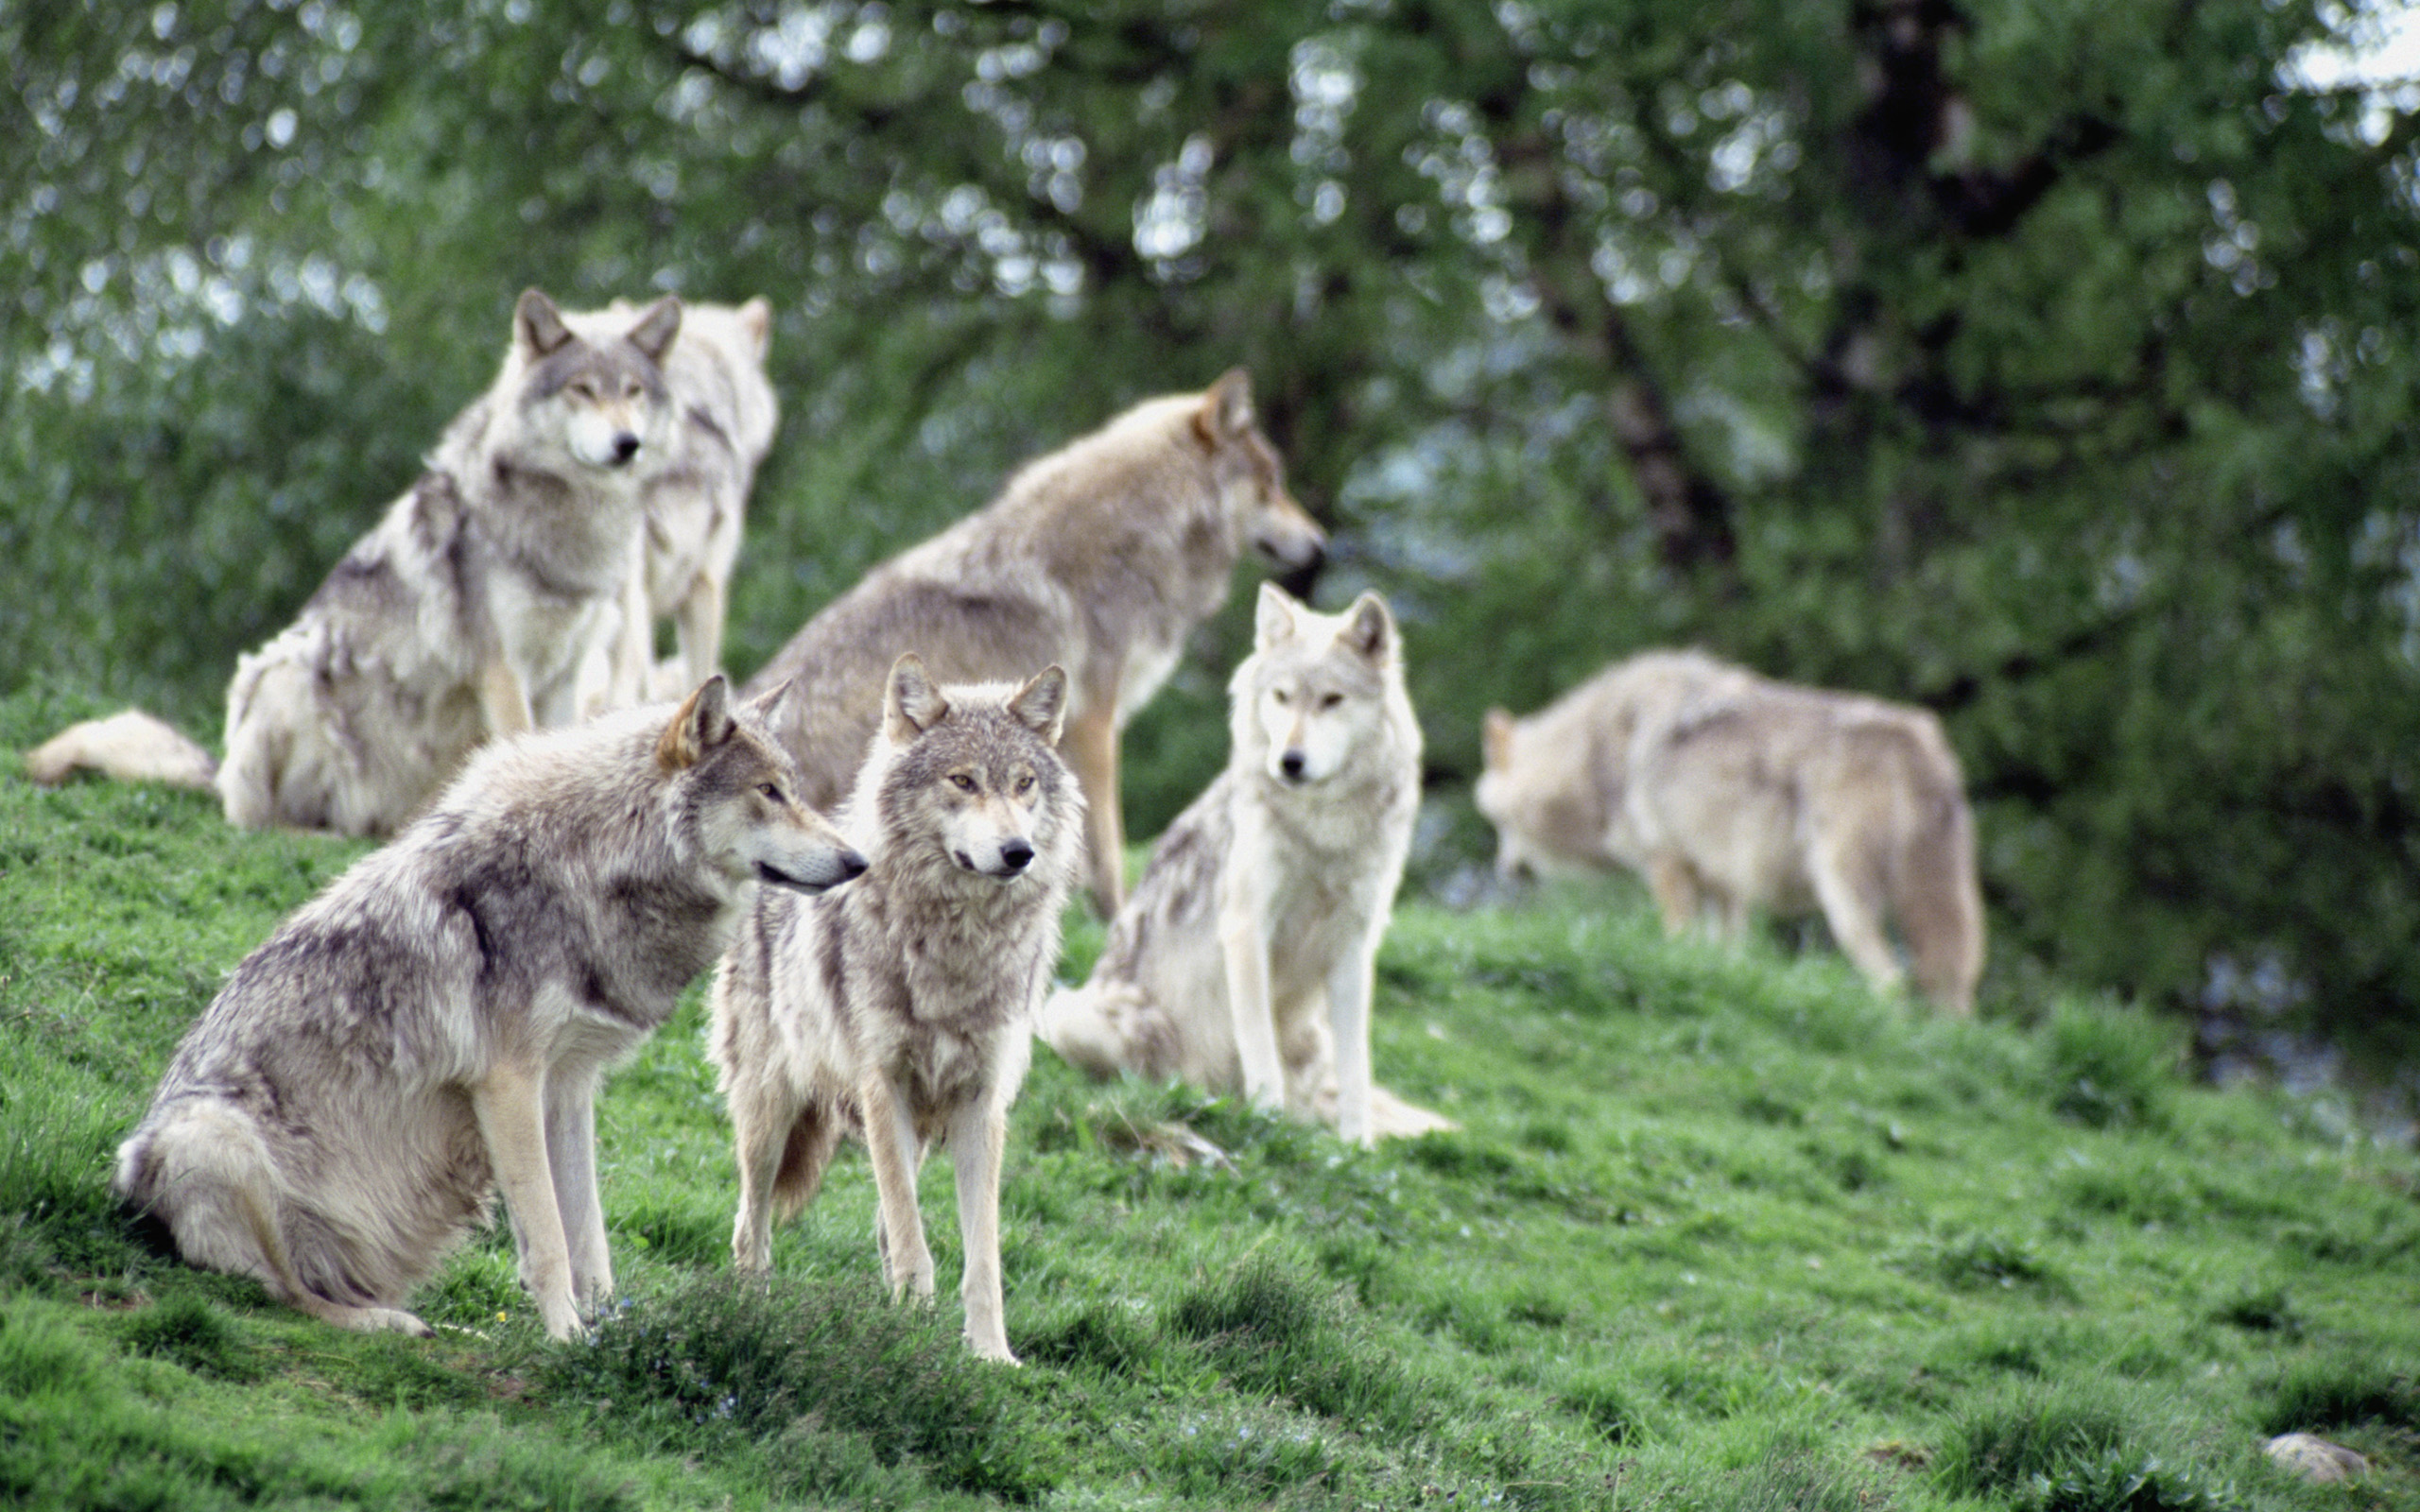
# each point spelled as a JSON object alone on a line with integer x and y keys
{"x": 726, "y": 413}
{"x": 1101, "y": 556}
{"x": 467, "y": 612}
{"x": 1267, "y": 898}
{"x": 904, "y": 1007}
{"x": 1732, "y": 792}
{"x": 437, "y": 1022}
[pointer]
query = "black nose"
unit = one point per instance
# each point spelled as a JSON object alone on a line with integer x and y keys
{"x": 1291, "y": 764}
{"x": 1016, "y": 855}
{"x": 625, "y": 447}
{"x": 852, "y": 864}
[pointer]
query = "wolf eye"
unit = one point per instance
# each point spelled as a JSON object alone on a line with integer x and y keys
{"x": 772, "y": 792}
{"x": 1331, "y": 701}
{"x": 964, "y": 782}
{"x": 1282, "y": 696}
{"x": 1024, "y": 785}
{"x": 584, "y": 389}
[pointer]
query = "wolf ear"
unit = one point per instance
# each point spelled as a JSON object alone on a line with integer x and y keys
{"x": 703, "y": 722}
{"x": 1226, "y": 409}
{"x": 912, "y": 704}
{"x": 1495, "y": 739}
{"x": 757, "y": 318}
{"x": 767, "y": 705}
{"x": 1273, "y": 620}
{"x": 538, "y": 327}
{"x": 1369, "y": 628}
{"x": 1041, "y": 705}
{"x": 653, "y": 335}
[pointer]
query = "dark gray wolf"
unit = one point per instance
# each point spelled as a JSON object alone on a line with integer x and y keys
{"x": 1732, "y": 792}
{"x": 903, "y": 1006}
{"x": 468, "y": 612}
{"x": 1245, "y": 959}
{"x": 1100, "y": 556}
{"x": 435, "y": 1024}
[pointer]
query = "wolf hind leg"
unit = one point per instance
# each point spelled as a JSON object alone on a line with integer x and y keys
{"x": 1848, "y": 887}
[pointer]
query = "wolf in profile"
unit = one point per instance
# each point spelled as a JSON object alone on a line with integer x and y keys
{"x": 1733, "y": 793}
{"x": 1245, "y": 959}
{"x": 726, "y": 415}
{"x": 435, "y": 1024}
{"x": 903, "y": 1006}
{"x": 1101, "y": 558}
{"x": 467, "y": 612}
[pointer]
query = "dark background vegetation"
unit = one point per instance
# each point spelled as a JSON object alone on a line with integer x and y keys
{"x": 2049, "y": 364}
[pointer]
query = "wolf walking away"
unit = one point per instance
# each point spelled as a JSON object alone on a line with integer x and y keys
{"x": 436, "y": 1023}
{"x": 903, "y": 1006}
{"x": 725, "y": 414}
{"x": 1264, "y": 903}
{"x": 1101, "y": 556}
{"x": 467, "y": 612}
{"x": 1733, "y": 793}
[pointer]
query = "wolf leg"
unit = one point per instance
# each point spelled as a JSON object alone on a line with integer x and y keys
{"x": 571, "y": 1160}
{"x": 976, "y": 1137}
{"x": 1243, "y": 936}
{"x": 1349, "y": 982}
{"x": 1090, "y": 746}
{"x": 503, "y": 698}
{"x": 1676, "y": 890}
{"x": 894, "y": 1151}
{"x": 698, "y": 624}
{"x": 1852, "y": 904}
{"x": 509, "y": 1103}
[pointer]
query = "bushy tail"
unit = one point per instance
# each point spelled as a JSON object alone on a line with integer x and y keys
{"x": 1093, "y": 1028}
{"x": 1940, "y": 905}
{"x": 130, "y": 746}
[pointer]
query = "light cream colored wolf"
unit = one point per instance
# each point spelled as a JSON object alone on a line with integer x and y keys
{"x": 467, "y": 612}
{"x": 904, "y": 1005}
{"x": 726, "y": 413}
{"x": 1245, "y": 960}
{"x": 435, "y": 1024}
{"x": 1101, "y": 556}
{"x": 1732, "y": 792}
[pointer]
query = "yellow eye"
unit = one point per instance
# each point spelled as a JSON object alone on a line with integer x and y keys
{"x": 964, "y": 782}
{"x": 1024, "y": 785}
{"x": 773, "y": 794}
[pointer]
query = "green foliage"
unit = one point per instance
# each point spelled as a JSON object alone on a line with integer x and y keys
{"x": 2342, "y": 1388}
{"x": 2109, "y": 1066}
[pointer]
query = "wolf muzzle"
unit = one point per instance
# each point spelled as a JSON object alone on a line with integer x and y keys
{"x": 847, "y": 865}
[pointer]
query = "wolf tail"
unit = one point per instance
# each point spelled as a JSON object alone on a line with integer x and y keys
{"x": 1939, "y": 902}
{"x": 130, "y": 746}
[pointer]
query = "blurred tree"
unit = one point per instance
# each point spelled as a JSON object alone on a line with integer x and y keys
{"x": 2049, "y": 365}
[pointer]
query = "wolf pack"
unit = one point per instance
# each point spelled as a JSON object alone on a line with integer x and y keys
{"x": 872, "y": 842}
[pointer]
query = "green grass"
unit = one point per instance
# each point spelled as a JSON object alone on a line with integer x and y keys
{"x": 1723, "y": 1232}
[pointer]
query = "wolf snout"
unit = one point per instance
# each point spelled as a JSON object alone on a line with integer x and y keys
{"x": 1016, "y": 855}
{"x": 626, "y": 446}
{"x": 1294, "y": 765}
{"x": 1293, "y": 552}
{"x": 844, "y": 866}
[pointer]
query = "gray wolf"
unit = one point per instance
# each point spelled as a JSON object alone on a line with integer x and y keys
{"x": 903, "y": 1006}
{"x": 726, "y": 412}
{"x": 1101, "y": 558}
{"x": 435, "y": 1023}
{"x": 1265, "y": 902}
{"x": 467, "y": 612}
{"x": 1733, "y": 793}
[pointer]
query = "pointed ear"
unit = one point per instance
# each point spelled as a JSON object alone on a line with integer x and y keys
{"x": 653, "y": 335}
{"x": 768, "y": 705}
{"x": 1495, "y": 739}
{"x": 702, "y": 723}
{"x": 757, "y": 318}
{"x": 538, "y": 327}
{"x": 1274, "y": 621}
{"x": 1369, "y": 628}
{"x": 1041, "y": 705}
{"x": 1226, "y": 409}
{"x": 910, "y": 704}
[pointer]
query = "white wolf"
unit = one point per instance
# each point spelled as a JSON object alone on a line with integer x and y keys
{"x": 726, "y": 415}
{"x": 1265, "y": 902}
{"x": 467, "y": 612}
{"x": 903, "y": 1006}
{"x": 1732, "y": 792}
{"x": 435, "y": 1024}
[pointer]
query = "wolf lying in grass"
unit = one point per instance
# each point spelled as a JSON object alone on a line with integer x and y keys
{"x": 903, "y": 1006}
{"x": 435, "y": 1024}
{"x": 1245, "y": 959}
{"x": 1733, "y": 793}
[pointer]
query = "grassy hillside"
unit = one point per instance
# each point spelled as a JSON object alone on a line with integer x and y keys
{"x": 1721, "y": 1232}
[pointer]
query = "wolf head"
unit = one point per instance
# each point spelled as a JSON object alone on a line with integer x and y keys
{"x": 737, "y": 788}
{"x": 1251, "y": 481}
{"x": 969, "y": 777}
{"x": 1500, "y": 800}
{"x": 1319, "y": 693}
{"x": 601, "y": 406}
